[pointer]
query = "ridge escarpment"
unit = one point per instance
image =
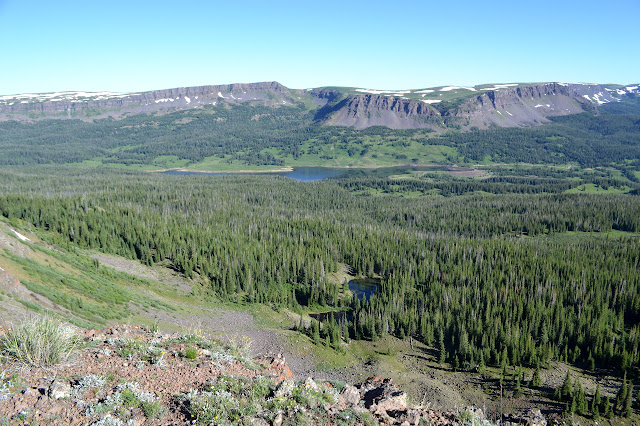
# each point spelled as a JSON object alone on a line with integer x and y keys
{"x": 88, "y": 105}
{"x": 463, "y": 108}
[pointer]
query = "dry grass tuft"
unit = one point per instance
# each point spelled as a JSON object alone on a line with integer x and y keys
{"x": 40, "y": 342}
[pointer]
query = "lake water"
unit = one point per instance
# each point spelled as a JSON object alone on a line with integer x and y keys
{"x": 302, "y": 174}
{"x": 363, "y": 289}
{"x": 311, "y": 174}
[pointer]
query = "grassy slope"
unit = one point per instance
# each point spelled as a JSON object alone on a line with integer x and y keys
{"x": 161, "y": 295}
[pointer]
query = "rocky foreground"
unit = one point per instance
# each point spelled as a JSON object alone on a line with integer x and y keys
{"x": 131, "y": 375}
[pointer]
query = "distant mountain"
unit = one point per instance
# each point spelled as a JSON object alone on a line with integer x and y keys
{"x": 438, "y": 108}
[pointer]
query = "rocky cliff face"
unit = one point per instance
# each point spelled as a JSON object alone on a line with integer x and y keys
{"x": 527, "y": 106}
{"x": 503, "y": 105}
{"x": 84, "y": 105}
{"x": 363, "y": 111}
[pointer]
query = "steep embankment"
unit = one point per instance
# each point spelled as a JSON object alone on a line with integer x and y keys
{"x": 362, "y": 111}
{"x": 528, "y": 106}
{"x": 98, "y": 105}
{"x": 502, "y": 105}
{"x": 465, "y": 108}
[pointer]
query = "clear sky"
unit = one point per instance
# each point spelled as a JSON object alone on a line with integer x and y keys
{"x": 139, "y": 45}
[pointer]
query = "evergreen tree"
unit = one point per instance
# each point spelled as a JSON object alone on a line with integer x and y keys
{"x": 315, "y": 326}
{"x": 536, "y": 380}
{"x": 626, "y": 410}
{"x": 607, "y": 410}
{"x": 442, "y": 350}
{"x": 518, "y": 389}
{"x": 621, "y": 396}
{"x": 597, "y": 400}
{"x": 564, "y": 391}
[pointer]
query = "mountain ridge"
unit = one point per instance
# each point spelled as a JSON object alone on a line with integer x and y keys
{"x": 437, "y": 109}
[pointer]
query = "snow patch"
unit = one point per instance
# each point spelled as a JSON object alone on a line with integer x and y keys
{"x": 186, "y": 98}
{"x": 20, "y": 236}
{"x": 501, "y": 86}
{"x": 621, "y": 92}
{"x": 425, "y": 91}
{"x": 165, "y": 100}
{"x": 431, "y": 101}
{"x": 383, "y": 92}
{"x": 499, "y": 113}
{"x": 586, "y": 97}
{"x": 450, "y": 88}
{"x": 632, "y": 88}
{"x": 509, "y": 113}
{"x": 538, "y": 106}
{"x": 220, "y": 95}
{"x": 66, "y": 96}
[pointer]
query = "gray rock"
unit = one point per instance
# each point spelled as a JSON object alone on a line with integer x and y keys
{"x": 278, "y": 419}
{"x": 394, "y": 402}
{"x": 30, "y": 392}
{"x": 59, "y": 390}
{"x": 350, "y": 395}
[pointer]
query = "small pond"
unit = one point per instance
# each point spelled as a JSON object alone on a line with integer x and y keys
{"x": 363, "y": 288}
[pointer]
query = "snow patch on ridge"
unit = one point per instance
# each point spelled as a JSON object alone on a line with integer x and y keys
{"x": 500, "y": 86}
{"x": 450, "y": 88}
{"x": 383, "y": 92}
{"x": 65, "y": 96}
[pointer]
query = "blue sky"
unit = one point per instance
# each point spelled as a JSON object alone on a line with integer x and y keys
{"x": 139, "y": 45}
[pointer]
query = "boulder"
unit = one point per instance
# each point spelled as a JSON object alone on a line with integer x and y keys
{"x": 59, "y": 390}
{"x": 350, "y": 396}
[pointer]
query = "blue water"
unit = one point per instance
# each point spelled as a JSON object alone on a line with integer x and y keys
{"x": 364, "y": 288}
{"x": 302, "y": 174}
{"x": 310, "y": 174}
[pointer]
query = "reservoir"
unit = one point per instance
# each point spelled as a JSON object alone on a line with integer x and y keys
{"x": 302, "y": 174}
{"x": 312, "y": 174}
